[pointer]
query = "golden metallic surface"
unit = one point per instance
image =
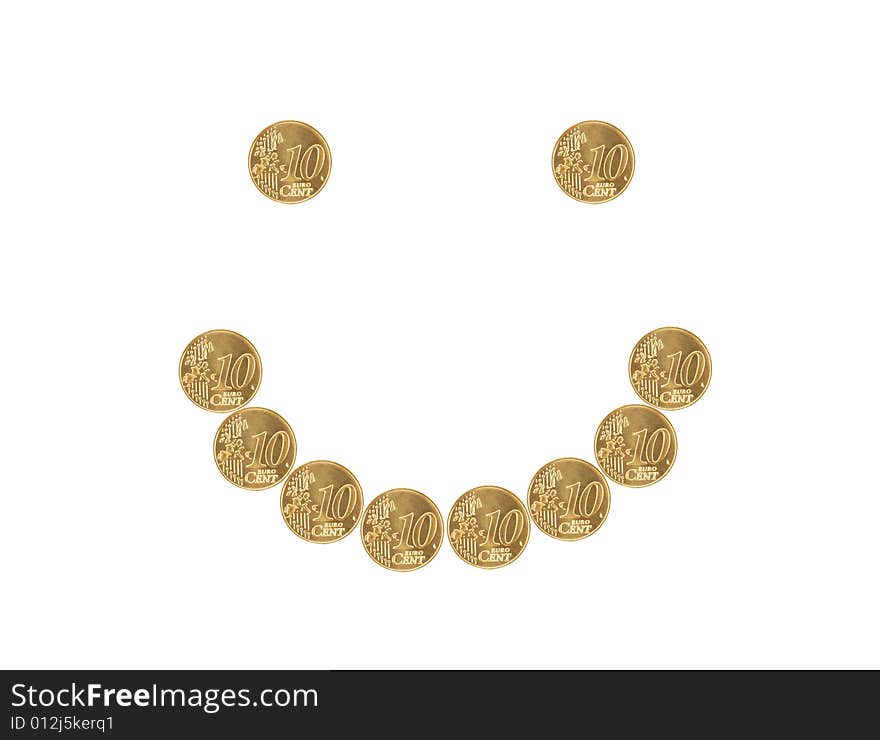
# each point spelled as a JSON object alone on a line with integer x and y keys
{"x": 593, "y": 162}
{"x": 220, "y": 371}
{"x": 321, "y": 501}
{"x": 488, "y": 527}
{"x": 402, "y": 529}
{"x": 569, "y": 499}
{"x": 254, "y": 448}
{"x": 670, "y": 368}
{"x": 635, "y": 445}
{"x": 289, "y": 162}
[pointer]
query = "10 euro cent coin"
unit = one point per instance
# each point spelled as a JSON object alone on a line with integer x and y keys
{"x": 321, "y": 501}
{"x": 635, "y": 445}
{"x": 488, "y": 527}
{"x": 254, "y": 448}
{"x": 569, "y": 499}
{"x": 220, "y": 370}
{"x": 670, "y": 368}
{"x": 593, "y": 162}
{"x": 289, "y": 162}
{"x": 402, "y": 529}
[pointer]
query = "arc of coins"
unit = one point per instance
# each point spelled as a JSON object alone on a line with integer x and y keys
{"x": 488, "y": 527}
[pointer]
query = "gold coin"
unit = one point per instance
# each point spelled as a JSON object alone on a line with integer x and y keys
{"x": 488, "y": 527}
{"x": 593, "y": 162}
{"x": 402, "y": 529}
{"x": 569, "y": 499}
{"x": 254, "y": 448}
{"x": 635, "y": 445}
{"x": 321, "y": 501}
{"x": 289, "y": 162}
{"x": 220, "y": 371}
{"x": 670, "y": 368}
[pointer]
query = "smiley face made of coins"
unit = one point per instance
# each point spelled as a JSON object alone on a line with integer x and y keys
{"x": 488, "y": 526}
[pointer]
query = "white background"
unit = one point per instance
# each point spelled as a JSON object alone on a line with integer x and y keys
{"x": 440, "y": 316}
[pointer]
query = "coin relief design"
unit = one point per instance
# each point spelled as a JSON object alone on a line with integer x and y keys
{"x": 321, "y": 501}
{"x": 569, "y": 499}
{"x": 593, "y": 162}
{"x": 635, "y": 445}
{"x": 220, "y": 371}
{"x": 254, "y": 448}
{"x": 402, "y": 529}
{"x": 670, "y": 368}
{"x": 488, "y": 527}
{"x": 289, "y": 162}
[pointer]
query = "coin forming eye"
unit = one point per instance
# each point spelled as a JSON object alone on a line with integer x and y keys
{"x": 593, "y": 162}
{"x": 289, "y": 162}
